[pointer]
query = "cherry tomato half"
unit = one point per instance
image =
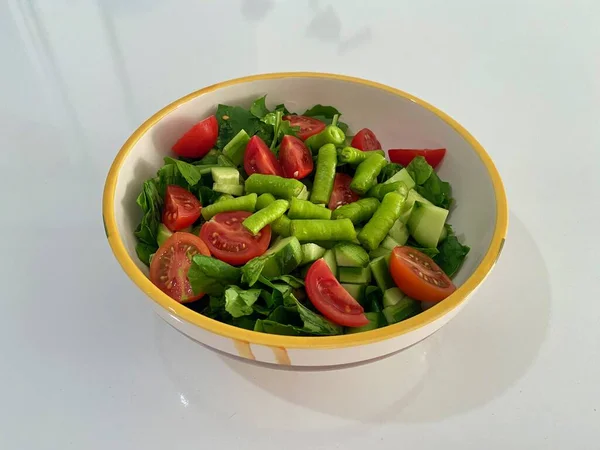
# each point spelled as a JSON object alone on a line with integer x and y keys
{"x": 296, "y": 159}
{"x": 418, "y": 276}
{"x": 260, "y": 159}
{"x": 171, "y": 263}
{"x": 308, "y": 125}
{"x": 229, "y": 241}
{"x": 405, "y": 156}
{"x": 181, "y": 209}
{"x": 198, "y": 141}
{"x": 342, "y": 194}
{"x": 365, "y": 140}
{"x": 331, "y": 299}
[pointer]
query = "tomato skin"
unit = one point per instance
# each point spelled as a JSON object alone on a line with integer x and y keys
{"x": 342, "y": 194}
{"x": 181, "y": 209}
{"x": 405, "y": 156}
{"x": 171, "y": 263}
{"x": 199, "y": 139}
{"x": 366, "y": 140}
{"x": 295, "y": 157}
{"x": 432, "y": 285}
{"x": 309, "y": 126}
{"x": 260, "y": 159}
{"x": 229, "y": 241}
{"x": 331, "y": 299}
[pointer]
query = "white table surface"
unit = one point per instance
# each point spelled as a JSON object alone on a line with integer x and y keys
{"x": 86, "y": 364}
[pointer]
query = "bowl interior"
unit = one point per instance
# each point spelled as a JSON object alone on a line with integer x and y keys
{"x": 398, "y": 121}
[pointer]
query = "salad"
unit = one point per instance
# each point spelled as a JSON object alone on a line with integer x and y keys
{"x": 284, "y": 223}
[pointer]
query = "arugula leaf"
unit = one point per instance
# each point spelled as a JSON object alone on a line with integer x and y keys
{"x": 167, "y": 175}
{"x": 252, "y": 270}
{"x": 144, "y": 251}
{"x": 211, "y": 276}
{"x": 232, "y": 119}
{"x": 290, "y": 280}
{"x": 272, "y": 327}
{"x": 150, "y": 201}
{"x": 420, "y": 170}
{"x": 314, "y": 323}
{"x": 388, "y": 171}
{"x": 191, "y": 173}
{"x": 259, "y": 107}
{"x": 436, "y": 191}
{"x": 238, "y": 302}
{"x": 244, "y": 322}
{"x": 209, "y": 159}
{"x": 451, "y": 254}
{"x": 215, "y": 308}
{"x": 281, "y": 107}
{"x": 207, "y": 196}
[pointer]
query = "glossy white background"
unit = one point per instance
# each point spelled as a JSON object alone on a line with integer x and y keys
{"x": 85, "y": 363}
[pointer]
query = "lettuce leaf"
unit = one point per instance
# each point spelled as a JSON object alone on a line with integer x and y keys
{"x": 238, "y": 302}
{"x": 212, "y": 276}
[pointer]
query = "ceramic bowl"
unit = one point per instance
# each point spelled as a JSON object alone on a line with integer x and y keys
{"x": 400, "y": 120}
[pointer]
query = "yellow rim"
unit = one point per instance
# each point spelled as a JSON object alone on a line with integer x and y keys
{"x": 253, "y": 337}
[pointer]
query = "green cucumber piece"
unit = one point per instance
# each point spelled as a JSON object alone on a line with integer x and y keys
{"x": 329, "y": 258}
{"x": 412, "y": 197}
{"x": 357, "y": 291}
{"x": 426, "y": 223}
{"x": 392, "y": 296}
{"x": 354, "y": 275}
{"x": 163, "y": 234}
{"x": 304, "y": 194}
{"x": 381, "y": 273}
{"x": 389, "y": 243}
{"x": 380, "y": 251}
{"x": 376, "y": 320}
{"x": 282, "y": 258}
{"x": 403, "y": 176}
{"x": 232, "y": 189}
{"x": 311, "y": 252}
{"x": 350, "y": 255}
{"x": 236, "y": 147}
{"x": 404, "y": 309}
{"x": 225, "y": 175}
{"x": 399, "y": 232}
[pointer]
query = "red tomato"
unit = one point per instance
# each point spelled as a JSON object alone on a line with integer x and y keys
{"x": 331, "y": 299}
{"x": 296, "y": 159}
{"x": 171, "y": 263}
{"x": 181, "y": 208}
{"x": 259, "y": 159}
{"x": 405, "y": 156}
{"x": 365, "y": 139}
{"x": 418, "y": 276}
{"x": 342, "y": 194}
{"x": 199, "y": 139}
{"x": 308, "y": 125}
{"x": 229, "y": 241}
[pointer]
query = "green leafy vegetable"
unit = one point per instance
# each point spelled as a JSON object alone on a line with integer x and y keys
{"x": 169, "y": 174}
{"x": 232, "y": 119}
{"x": 190, "y": 173}
{"x": 272, "y": 327}
{"x": 238, "y": 302}
{"x": 212, "y": 276}
{"x": 419, "y": 170}
{"x": 150, "y": 201}
{"x": 431, "y": 252}
{"x": 314, "y": 323}
{"x": 451, "y": 254}
{"x": 326, "y": 114}
{"x": 144, "y": 251}
{"x": 388, "y": 171}
{"x": 281, "y": 107}
{"x": 252, "y": 270}
{"x": 372, "y": 299}
{"x": 290, "y": 280}
{"x": 436, "y": 191}
{"x": 207, "y": 196}
{"x": 259, "y": 107}
{"x": 211, "y": 158}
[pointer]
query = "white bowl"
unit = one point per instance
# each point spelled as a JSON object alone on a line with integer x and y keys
{"x": 400, "y": 121}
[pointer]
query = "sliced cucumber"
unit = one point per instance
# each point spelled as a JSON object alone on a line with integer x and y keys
{"x": 232, "y": 189}
{"x": 389, "y": 243}
{"x": 376, "y": 320}
{"x": 282, "y": 258}
{"x": 311, "y": 252}
{"x": 381, "y": 273}
{"x": 354, "y": 275}
{"x": 404, "y": 309}
{"x": 380, "y": 251}
{"x": 412, "y": 197}
{"x": 350, "y": 255}
{"x": 236, "y": 147}
{"x": 224, "y": 197}
{"x": 392, "y": 296}
{"x": 403, "y": 176}
{"x": 399, "y": 232}
{"x": 357, "y": 291}
{"x": 163, "y": 234}
{"x": 426, "y": 223}
{"x": 225, "y": 175}
{"x": 329, "y": 258}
